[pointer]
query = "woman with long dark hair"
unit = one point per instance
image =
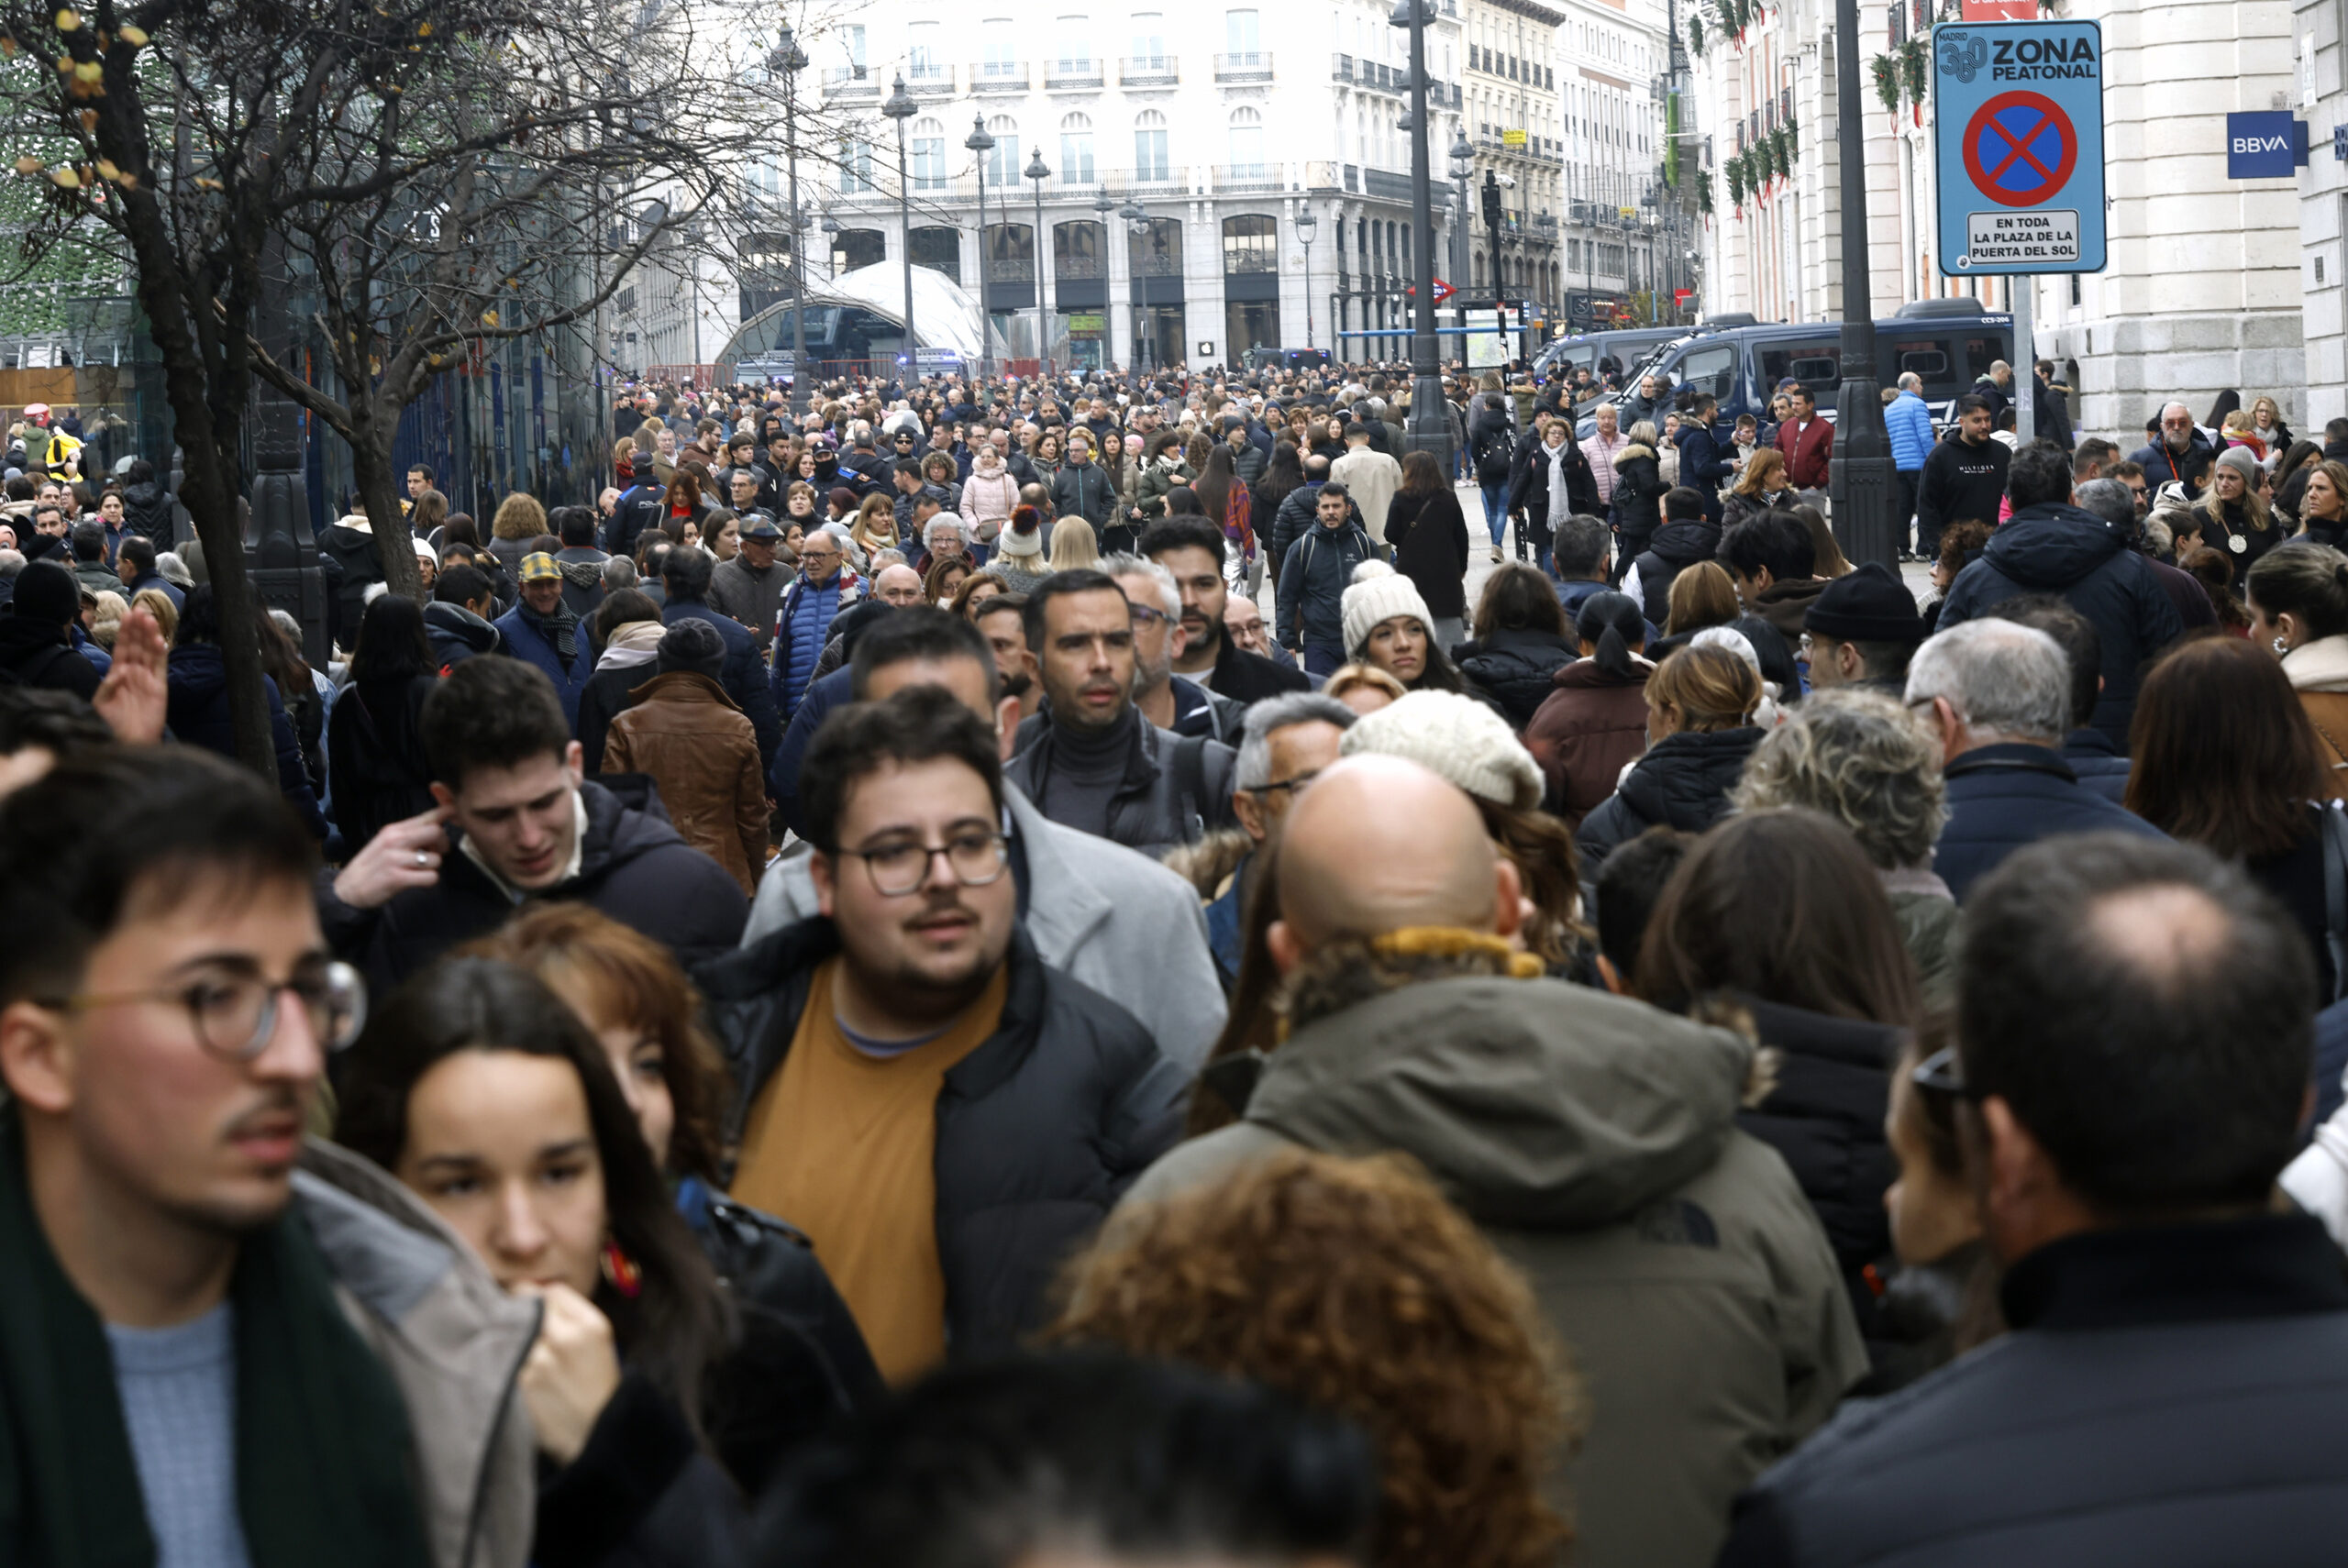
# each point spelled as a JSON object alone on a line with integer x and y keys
{"x": 1593, "y": 723}
{"x": 2221, "y": 754}
{"x": 374, "y": 747}
{"x": 1224, "y": 502}
{"x": 1284, "y": 473}
{"x": 1520, "y": 641}
{"x": 1428, "y": 534}
{"x": 630, "y": 991}
{"x": 477, "y": 1089}
{"x": 1780, "y": 914}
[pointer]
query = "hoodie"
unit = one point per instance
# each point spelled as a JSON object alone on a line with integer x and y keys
{"x": 1593, "y": 1138}
{"x": 457, "y": 634}
{"x": 2059, "y": 549}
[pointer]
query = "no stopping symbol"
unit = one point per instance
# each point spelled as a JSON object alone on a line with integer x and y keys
{"x": 2019, "y": 148}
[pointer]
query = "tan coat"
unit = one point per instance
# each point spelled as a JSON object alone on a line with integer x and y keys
{"x": 2318, "y": 673}
{"x": 703, "y": 753}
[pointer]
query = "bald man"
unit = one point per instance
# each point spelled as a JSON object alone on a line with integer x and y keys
{"x": 1592, "y": 1135}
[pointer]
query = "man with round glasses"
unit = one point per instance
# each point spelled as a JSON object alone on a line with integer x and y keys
{"x": 178, "y": 1362}
{"x": 944, "y": 1114}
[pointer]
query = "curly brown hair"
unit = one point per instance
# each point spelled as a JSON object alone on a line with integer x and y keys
{"x": 1353, "y": 1286}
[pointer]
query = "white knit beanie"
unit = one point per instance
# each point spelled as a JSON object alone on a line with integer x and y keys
{"x": 1379, "y": 591}
{"x": 1456, "y": 737}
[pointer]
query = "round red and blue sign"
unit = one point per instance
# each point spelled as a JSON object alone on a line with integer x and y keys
{"x": 2019, "y": 148}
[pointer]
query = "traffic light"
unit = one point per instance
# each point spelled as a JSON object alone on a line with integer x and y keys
{"x": 1491, "y": 201}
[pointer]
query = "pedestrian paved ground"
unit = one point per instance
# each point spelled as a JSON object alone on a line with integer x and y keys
{"x": 1917, "y": 576}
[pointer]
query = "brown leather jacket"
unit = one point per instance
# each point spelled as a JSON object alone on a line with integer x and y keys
{"x": 688, "y": 734}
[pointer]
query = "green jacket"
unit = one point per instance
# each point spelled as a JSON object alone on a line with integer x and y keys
{"x": 1928, "y": 923}
{"x": 1593, "y": 1138}
{"x": 1156, "y": 478}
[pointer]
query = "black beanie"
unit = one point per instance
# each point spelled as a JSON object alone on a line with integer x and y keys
{"x": 691, "y": 645}
{"x": 1869, "y": 605}
{"x": 48, "y": 594}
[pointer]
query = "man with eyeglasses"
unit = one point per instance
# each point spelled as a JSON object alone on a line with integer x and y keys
{"x": 1290, "y": 739}
{"x": 1171, "y": 702}
{"x": 216, "y": 1345}
{"x": 2129, "y": 1077}
{"x": 944, "y": 1114}
{"x": 1090, "y": 759}
{"x": 804, "y": 620}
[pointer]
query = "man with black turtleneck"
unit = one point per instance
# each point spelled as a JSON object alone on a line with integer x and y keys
{"x": 1090, "y": 761}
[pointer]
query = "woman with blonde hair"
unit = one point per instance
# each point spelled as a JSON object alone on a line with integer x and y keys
{"x": 2236, "y": 516}
{"x": 1364, "y": 687}
{"x": 1073, "y": 546}
{"x": 158, "y": 603}
{"x": 1762, "y": 486}
{"x": 1353, "y": 1286}
{"x": 1704, "y": 595}
{"x": 518, "y": 520}
{"x": 107, "y": 618}
{"x": 1699, "y": 733}
{"x": 874, "y": 530}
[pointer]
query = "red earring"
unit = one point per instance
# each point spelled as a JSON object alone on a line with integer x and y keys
{"x": 621, "y": 1271}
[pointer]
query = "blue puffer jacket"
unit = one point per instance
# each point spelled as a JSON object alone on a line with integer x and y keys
{"x": 742, "y": 675}
{"x": 802, "y": 624}
{"x": 523, "y": 640}
{"x": 1911, "y": 424}
{"x": 2101, "y": 766}
{"x": 2003, "y": 796}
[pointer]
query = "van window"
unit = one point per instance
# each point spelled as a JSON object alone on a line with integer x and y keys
{"x": 1709, "y": 367}
{"x": 1928, "y": 357}
{"x": 1816, "y": 365}
{"x": 1980, "y": 353}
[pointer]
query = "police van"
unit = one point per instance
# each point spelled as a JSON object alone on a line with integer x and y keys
{"x": 1950, "y": 344}
{"x": 1587, "y": 350}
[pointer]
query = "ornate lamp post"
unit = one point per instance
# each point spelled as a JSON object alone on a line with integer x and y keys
{"x": 1463, "y": 165}
{"x": 1861, "y": 469}
{"x": 1036, "y": 171}
{"x": 900, "y": 108}
{"x": 1429, "y": 427}
{"x": 789, "y": 60}
{"x": 1307, "y": 226}
{"x": 980, "y": 143}
{"x": 831, "y": 226}
{"x": 1105, "y": 206}
{"x": 1137, "y": 224}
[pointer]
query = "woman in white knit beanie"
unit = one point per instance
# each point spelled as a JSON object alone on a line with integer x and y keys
{"x": 1386, "y": 624}
{"x": 1470, "y": 746}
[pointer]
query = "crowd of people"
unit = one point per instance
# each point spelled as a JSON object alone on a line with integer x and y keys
{"x": 1053, "y": 971}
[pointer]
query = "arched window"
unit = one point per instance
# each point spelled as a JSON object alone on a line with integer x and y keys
{"x": 1076, "y": 149}
{"x": 1156, "y": 250}
{"x": 1079, "y": 251}
{"x": 1247, "y": 144}
{"x": 1149, "y": 147}
{"x": 1003, "y": 161}
{"x": 940, "y": 249}
{"x": 927, "y": 164}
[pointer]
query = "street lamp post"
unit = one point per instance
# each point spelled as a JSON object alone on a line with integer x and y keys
{"x": 1307, "y": 226}
{"x": 1105, "y": 206}
{"x": 1463, "y": 165}
{"x": 1137, "y": 224}
{"x": 980, "y": 143}
{"x": 1860, "y": 472}
{"x": 790, "y": 60}
{"x": 1036, "y": 171}
{"x": 832, "y": 243}
{"x": 1429, "y": 426}
{"x": 900, "y": 108}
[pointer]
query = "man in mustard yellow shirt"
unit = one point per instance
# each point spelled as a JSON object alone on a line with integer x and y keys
{"x": 945, "y": 1116}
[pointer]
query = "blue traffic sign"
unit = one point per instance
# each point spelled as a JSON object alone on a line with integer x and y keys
{"x": 2018, "y": 143}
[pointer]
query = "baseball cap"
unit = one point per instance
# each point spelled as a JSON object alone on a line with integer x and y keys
{"x": 539, "y": 566}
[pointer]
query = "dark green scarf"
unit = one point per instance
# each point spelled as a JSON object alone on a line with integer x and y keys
{"x": 322, "y": 1437}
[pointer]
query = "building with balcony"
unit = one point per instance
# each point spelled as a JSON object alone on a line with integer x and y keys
{"x": 1180, "y": 151}
{"x": 1510, "y": 86}
{"x": 2208, "y": 279}
{"x": 1616, "y": 216}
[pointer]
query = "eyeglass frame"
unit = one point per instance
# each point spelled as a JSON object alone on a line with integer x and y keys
{"x": 997, "y": 837}
{"x": 264, "y": 1027}
{"x": 1145, "y": 614}
{"x": 1277, "y": 785}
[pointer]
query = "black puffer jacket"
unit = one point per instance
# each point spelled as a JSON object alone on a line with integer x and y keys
{"x": 375, "y": 752}
{"x": 1824, "y": 1114}
{"x": 147, "y": 509}
{"x": 1518, "y": 668}
{"x": 1638, "y": 497}
{"x": 1040, "y": 1130}
{"x": 1675, "y": 547}
{"x": 1684, "y": 781}
{"x": 633, "y": 865}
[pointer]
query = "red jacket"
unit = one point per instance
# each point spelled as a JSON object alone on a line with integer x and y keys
{"x": 1807, "y": 452}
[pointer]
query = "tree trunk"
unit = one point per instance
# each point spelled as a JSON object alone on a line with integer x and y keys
{"x": 208, "y": 479}
{"x": 378, "y": 492}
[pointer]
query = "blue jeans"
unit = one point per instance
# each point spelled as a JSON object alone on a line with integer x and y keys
{"x": 1495, "y": 510}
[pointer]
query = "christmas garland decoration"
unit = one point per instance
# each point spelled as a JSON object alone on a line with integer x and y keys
{"x": 1696, "y": 34}
{"x": 1916, "y": 61}
{"x": 1736, "y": 181}
{"x": 1886, "y": 83}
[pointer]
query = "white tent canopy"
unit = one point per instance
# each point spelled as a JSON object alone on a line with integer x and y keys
{"x": 944, "y": 316}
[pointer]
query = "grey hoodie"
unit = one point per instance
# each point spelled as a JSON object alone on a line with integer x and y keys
{"x": 1594, "y": 1139}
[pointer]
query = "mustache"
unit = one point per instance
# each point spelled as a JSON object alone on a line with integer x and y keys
{"x": 278, "y": 1102}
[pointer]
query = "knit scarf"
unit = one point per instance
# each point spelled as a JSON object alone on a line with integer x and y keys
{"x": 322, "y": 1436}
{"x": 558, "y": 628}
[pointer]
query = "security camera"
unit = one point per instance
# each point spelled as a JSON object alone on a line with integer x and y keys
{"x": 1508, "y": 181}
